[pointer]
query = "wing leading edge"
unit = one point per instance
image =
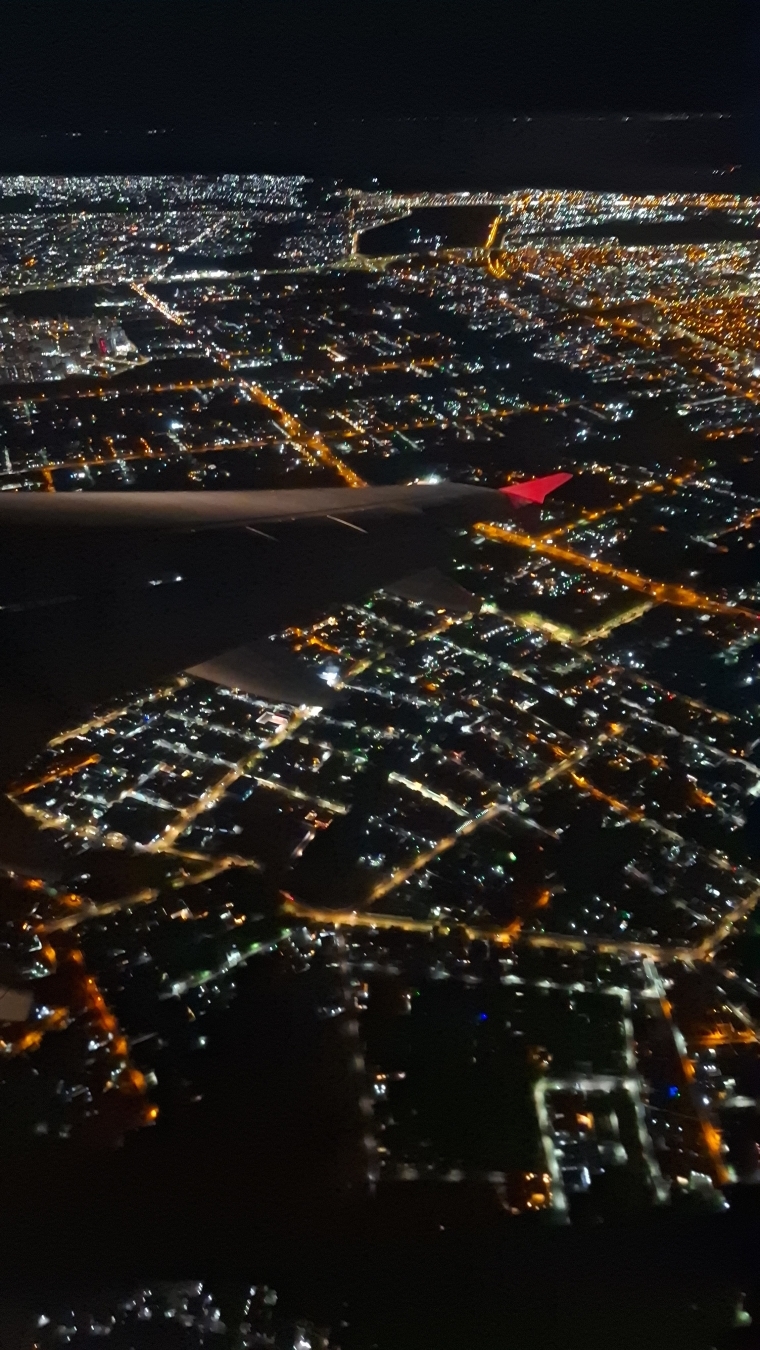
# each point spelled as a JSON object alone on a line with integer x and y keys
{"x": 208, "y": 510}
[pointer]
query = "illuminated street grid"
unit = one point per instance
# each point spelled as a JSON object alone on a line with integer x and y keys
{"x": 540, "y": 817}
{"x": 186, "y": 1303}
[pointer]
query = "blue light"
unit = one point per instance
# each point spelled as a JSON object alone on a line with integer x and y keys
{"x": 482, "y": 1017}
{"x": 673, "y": 1092}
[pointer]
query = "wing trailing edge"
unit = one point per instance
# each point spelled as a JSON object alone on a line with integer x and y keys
{"x": 268, "y": 671}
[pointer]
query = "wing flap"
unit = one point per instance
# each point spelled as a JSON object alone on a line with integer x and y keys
{"x": 269, "y": 671}
{"x": 431, "y": 588}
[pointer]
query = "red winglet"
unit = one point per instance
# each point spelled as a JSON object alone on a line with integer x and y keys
{"x": 534, "y": 489}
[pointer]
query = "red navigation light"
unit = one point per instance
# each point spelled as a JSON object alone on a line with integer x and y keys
{"x": 534, "y": 489}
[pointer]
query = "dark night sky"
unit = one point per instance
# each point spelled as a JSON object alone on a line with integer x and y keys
{"x": 174, "y": 62}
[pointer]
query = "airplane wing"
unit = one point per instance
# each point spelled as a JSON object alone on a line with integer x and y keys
{"x": 102, "y": 594}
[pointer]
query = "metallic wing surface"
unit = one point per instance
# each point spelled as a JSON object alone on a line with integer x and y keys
{"x": 102, "y": 594}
